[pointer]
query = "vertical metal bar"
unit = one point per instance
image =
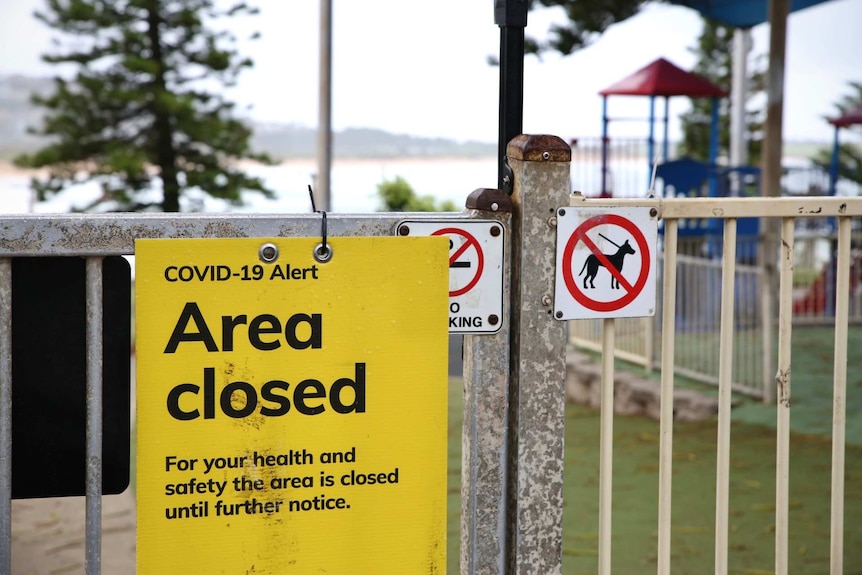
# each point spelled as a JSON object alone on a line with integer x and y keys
{"x": 606, "y": 449}
{"x": 725, "y": 369}
{"x": 664, "y": 153}
{"x": 782, "y": 453}
{"x": 648, "y": 325}
{"x": 651, "y": 141}
{"x": 93, "y": 546}
{"x": 484, "y": 443}
{"x": 324, "y": 112}
{"x": 5, "y": 415}
{"x": 773, "y": 126}
{"x": 511, "y": 17}
{"x": 668, "y": 327}
{"x": 605, "y": 144}
{"x": 839, "y": 398}
{"x": 767, "y": 299}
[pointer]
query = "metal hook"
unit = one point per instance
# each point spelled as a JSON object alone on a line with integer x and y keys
{"x": 322, "y": 252}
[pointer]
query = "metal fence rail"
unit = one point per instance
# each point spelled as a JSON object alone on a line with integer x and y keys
{"x": 94, "y": 237}
{"x": 785, "y": 211}
{"x": 698, "y": 287}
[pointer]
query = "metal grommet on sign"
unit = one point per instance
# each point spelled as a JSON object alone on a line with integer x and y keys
{"x": 322, "y": 252}
{"x": 268, "y": 253}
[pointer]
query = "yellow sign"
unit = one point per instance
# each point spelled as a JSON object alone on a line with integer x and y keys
{"x": 291, "y": 414}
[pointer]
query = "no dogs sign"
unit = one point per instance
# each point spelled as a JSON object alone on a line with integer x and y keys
{"x": 606, "y": 262}
{"x": 291, "y": 412}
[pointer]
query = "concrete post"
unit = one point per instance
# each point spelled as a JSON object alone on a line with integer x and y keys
{"x": 484, "y": 437}
{"x": 540, "y": 165}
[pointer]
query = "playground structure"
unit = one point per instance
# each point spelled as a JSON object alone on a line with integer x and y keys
{"x": 626, "y": 170}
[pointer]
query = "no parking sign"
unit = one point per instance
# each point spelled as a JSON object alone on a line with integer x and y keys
{"x": 606, "y": 263}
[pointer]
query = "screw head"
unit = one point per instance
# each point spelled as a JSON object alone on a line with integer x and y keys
{"x": 546, "y": 155}
{"x": 495, "y": 231}
{"x": 561, "y": 212}
{"x": 403, "y": 231}
{"x": 653, "y": 212}
{"x": 559, "y": 315}
{"x": 493, "y": 319}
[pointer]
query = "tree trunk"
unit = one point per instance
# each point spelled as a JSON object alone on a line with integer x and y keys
{"x": 164, "y": 152}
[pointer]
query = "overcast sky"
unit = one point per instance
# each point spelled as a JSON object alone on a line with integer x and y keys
{"x": 421, "y": 67}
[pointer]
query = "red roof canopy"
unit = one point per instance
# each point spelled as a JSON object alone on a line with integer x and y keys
{"x": 662, "y": 78}
{"x": 851, "y": 118}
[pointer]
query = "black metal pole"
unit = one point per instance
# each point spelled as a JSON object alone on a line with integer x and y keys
{"x": 511, "y": 17}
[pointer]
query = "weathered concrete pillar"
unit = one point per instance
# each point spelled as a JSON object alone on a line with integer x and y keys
{"x": 540, "y": 166}
{"x": 484, "y": 438}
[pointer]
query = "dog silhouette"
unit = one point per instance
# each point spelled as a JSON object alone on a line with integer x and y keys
{"x": 593, "y": 263}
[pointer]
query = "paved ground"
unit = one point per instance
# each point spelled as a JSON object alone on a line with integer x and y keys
{"x": 48, "y": 535}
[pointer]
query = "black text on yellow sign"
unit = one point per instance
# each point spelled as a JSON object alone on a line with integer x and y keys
{"x": 291, "y": 421}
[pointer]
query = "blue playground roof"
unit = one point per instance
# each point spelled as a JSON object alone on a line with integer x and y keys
{"x": 740, "y": 13}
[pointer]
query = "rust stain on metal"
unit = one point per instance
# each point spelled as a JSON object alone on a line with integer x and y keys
{"x": 539, "y": 148}
{"x": 842, "y": 208}
{"x": 487, "y": 198}
{"x": 817, "y": 211}
{"x": 27, "y": 242}
{"x": 222, "y": 230}
{"x": 85, "y": 237}
{"x": 782, "y": 378}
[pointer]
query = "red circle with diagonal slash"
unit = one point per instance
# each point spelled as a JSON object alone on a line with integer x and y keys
{"x": 578, "y": 235}
{"x": 471, "y": 241}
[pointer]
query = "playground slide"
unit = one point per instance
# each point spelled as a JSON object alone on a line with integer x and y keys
{"x": 818, "y": 298}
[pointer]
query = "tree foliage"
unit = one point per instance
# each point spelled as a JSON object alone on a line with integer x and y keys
{"x": 398, "y": 196}
{"x": 144, "y": 103}
{"x": 849, "y": 154}
{"x": 586, "y": 20}
{"x": 714, "y": 53}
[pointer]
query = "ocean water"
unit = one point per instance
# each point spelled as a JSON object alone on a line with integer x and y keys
{"x": 353, "y": 186}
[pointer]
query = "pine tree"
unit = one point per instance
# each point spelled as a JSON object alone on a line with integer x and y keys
{"x": 586, "y": 21}
{"x": 143, "y": 104}
{"x": 714, "y": 51}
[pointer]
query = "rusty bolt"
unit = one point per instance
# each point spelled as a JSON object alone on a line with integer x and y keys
{"x": 493, "y": 319}
{"x": 403, "y": 231}
{"x": 495, "y": 231}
